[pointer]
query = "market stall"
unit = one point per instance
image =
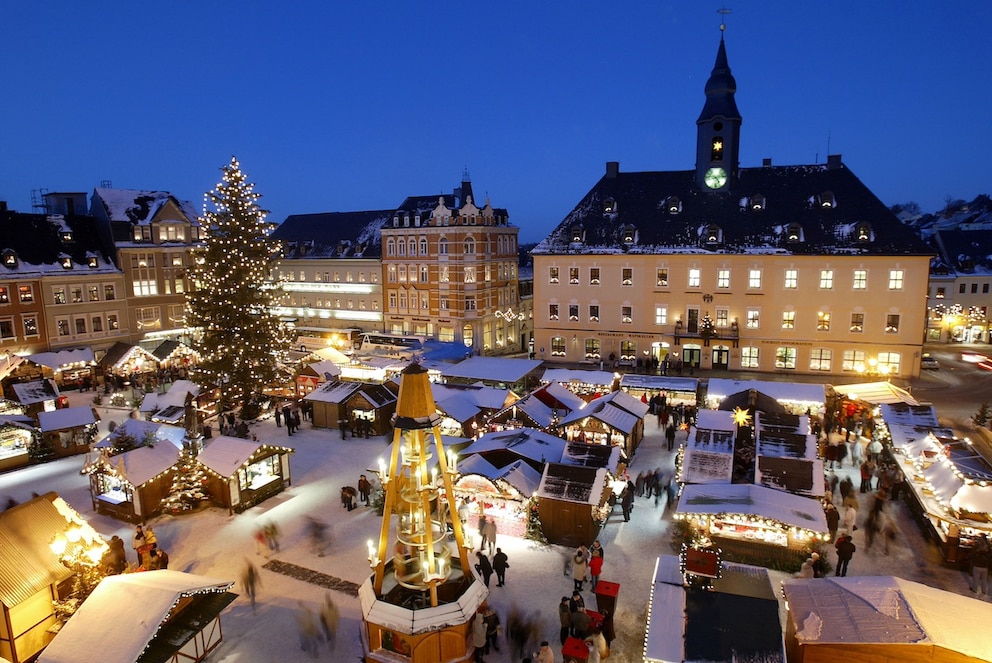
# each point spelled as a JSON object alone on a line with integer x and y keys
{"x": 542, "y": 409}
{"x": 500, "y": 493}
{"x": 37, "y": 396}
{"x": 571, "y": 502}
{"x": 243, "y": 473}
{"x": 68, "y": 431}
{"x": 464, "y": 409}
{"x": 131, "y": 362}
{"x": 615, "y": 419}
{"x": 132, "y": 485}
{"x": 587, "y": 384}
{"x": 795, "y": 397}
{"x": 735, "y": 514}
{"x": 677, "y": 391}
{"x": 786, "y": 454}
{"x": 315, "y": 374}
{"x": 708, "y": 455}
{"x": 71, "y": 368}
{"x": 175, "y": 355}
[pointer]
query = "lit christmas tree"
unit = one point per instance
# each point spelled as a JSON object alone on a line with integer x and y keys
{"x": 238, "y": 338}
{"x": 188, "y": 484}
{"x": 707, "y": 329}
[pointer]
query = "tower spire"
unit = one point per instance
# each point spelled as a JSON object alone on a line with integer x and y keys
{"x": 718, "y": 126}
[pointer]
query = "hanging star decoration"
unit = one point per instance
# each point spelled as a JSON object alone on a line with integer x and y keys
{"x": 742, "y": 417}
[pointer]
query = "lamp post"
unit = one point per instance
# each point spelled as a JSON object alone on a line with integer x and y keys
{"x": 80, "y": 551}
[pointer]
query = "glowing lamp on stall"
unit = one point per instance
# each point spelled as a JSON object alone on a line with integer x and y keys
{"x": 742, "y": 417}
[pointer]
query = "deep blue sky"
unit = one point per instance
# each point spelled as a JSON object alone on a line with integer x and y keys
{"x": 338, "y": 106}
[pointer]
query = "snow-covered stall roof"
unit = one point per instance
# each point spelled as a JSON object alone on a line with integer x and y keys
{"x": 541, "y": 414}
{"x": 333, "y": 392}
{"x": 145, "y": 431}
{"x": 556, "y": 395}
{"x": 886, "y": 610}
{"x": 917, "y": 442}
{"x": 787, "y": 454}
{"x": 605, "y": 411}
{"x": 913, "y": 415}
{"x": 421, "y": 620}
{"x": 518, "y": 474}
{"x": 57, "y": 360}
{"x": 722, "y": 499}
{"x": 876, "y": 393}
{"x": 175, "y": 397}
{"x": 147, "y": 599}
{"x": 664, "y": 639}
{"x": 627, "y": 402}
{"x": 479, "y": 394}
{"x": 38, "y": 391}
{"x": 70, "y": 417}
{"x": 325, "y": 368}
{"x": 525, "y": 442}
{"x": 709, "y": 449}
{"x": 332, "y": 355}
{"x": 458, "y": 407}
{"x": 578, "y": 377}
{"x": 591, "y": 455}
{"x": 784, "y": 392}
{"x": 492, "y": 369}
{"x": 572, "y": 483}
{"x": 225, "y": 455}
{"x": 956, "y": 477}
{"x": 659, "y": 383}
{"x": 140, "y": 465}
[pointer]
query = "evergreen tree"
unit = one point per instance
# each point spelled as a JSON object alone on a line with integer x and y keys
{"x": 982, "y": 416}
{"x": 188, "y": 483}
{"x": 230, "y": 304}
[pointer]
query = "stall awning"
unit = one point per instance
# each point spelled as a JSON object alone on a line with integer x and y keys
{"x": 876, "y": 393}
{"x": 750, "y": 500}
{"x": 63, "y": 358}
{"x": 120, "y": 354}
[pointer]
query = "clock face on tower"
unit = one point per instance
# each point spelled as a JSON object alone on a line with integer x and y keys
{"x": 715, "y": 178}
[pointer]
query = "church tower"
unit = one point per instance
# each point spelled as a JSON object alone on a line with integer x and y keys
{"x": 718, "y": 129}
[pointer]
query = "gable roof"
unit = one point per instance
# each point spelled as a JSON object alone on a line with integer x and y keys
{"x": 27, "y": 564}
{"x": 225, "y": 454}
{"x": 38, "y": 241}
{"x": 137, "y": 466}
{"x": 357, "y": 232}
{"x": 791, "y": 195}
{"x": 137, "y": 206}
{"x": 69, "y": 417}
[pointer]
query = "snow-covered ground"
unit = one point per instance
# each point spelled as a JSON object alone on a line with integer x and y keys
{"x": 212, "y": 543}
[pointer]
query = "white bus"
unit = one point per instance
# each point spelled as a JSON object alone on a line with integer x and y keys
{"x": 391, "y": 345}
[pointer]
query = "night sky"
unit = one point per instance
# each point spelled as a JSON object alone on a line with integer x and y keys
{"x": 340, "y": 106}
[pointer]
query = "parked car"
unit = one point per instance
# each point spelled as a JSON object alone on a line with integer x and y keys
{"x": 929, "y": 363}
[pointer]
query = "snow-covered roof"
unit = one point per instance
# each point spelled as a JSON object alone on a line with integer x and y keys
{"x": 147, "y": 599}
{"x": 326, "y": 369}
{"x": 525, "y": 442}
{"x": 627, "y": 402}
{"x": 140, "y": 465}
{"x": 591, "y": 455}
{"x": 886, "y": 610}
{"x": 142, "y": 430}
{"x": 481, "y": 395}
{"x": 225, "y": 455}
{"x": 60, "y": 358}
{"x": 518, "y": 474}
{"x": 876, "y": 392}
{"x": 37, "y": 391}
{"x": 913, "y": 415}
{"x": 458, "y": 407}
{"x": 658, "y": 383}
{"x": 69, "y": 417}
{"x": 140, "y": 207}
{"x": 578, "y": 377}
{"x": 333, "y": 392}
{"x": 751, "y": 500}
{"x": 572, "y": 483}
{"x": 333, "y": 355}
{"x": 557, "y": 395}
{"x": 602, "y": 409}
{"x": 492, "y": 369}
{"x": 175, "y": 397}
{"x": 665, "y": 637}
{"x": 786, "y": 392}
{"x": 421, "y": 620}
{"x": 540, "y": 414}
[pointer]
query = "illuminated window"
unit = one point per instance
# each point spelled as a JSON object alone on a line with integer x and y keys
{"x": 63, "y": 326}
{"x": 442, "y": 247}
{"x": 391, "y": 247}
{"x": 469, "y": 246}
{"x": 888, "y": 362}
{"x": 4, "y": 294}
{"x": 470, "y": 274}
{"x": 626, "y": 314}
{"x": 627, "y": 276}
{"x": 788, "y": 319}
{"x": 826, "y": 279}
{"x": 30, "y": 325}
{"x": 941, "y": 293}
{"x": 558, "y": 346}
{"x": 823, "y": 321}
{"x": 391, "y": 273}
{"x": 791, "y": 279}
{"x": 94, "y": 293}
{"x": 819, "y": 359}
{"x": 573, "y": 312}
{"x": 423, "y": 246}
{"x": 860, "y": 279}
{"x": 722, "y": 317}
{"x": 754, "y": 278}
{"x": 573, "y": 275}
{"x": 552, "y": 275}
{"x": 594, "y": 275}
{"x": 785, "y": 357}
{"x": 853, "y": 360}
{"x": 723, "y": 278}
{"x": 857, "y": 322}
{"x": 895, "y": 279}
{"x": 695, "y": 277}
{"x": 58, "y": 295}
{"x": 425, "y": 275}
{"x": 593, "y": 313}
{"x": 892, "y": 323}
{"x": 749, "y": 357}
{"x": 752, "y": 318}
{"x": 662, "y": 278}
{"x": 661, "y": 315}
{"x": 470, "y": 303}
{"x": 552, "y": 311}
{"x": 592, "y": 348}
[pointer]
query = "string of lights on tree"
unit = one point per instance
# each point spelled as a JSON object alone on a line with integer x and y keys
{"x": 187, "y": 490}
{"x": 239, "y": 340}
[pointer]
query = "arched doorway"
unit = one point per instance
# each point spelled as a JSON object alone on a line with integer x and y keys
{"x": 721, "y": 356}
{"x": 692, "y": 355}
{"x": 468, "y": 336}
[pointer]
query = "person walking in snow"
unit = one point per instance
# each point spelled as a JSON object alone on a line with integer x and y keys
{"x": 595, "y": 567}
{"x": 249, "y": 581}
{"x": 580, "y": 568}
{"x": 500, "y": 565}
{"x": 845, "y": 551}
{"x": 489, "y": 534}
{"x": 484, "y": 568}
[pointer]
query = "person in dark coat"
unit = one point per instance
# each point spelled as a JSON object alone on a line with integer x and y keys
{"x": 833, "y": 520}
{"x": 670, "y": 435}
{"x": 845, "y": 551}
{"x": 500, "y": 565}
{"x": 565, "y": 617}
{"x": 483, "y": 566}
{"x": 364, "y": 487}
{"x": 627, "y": 501}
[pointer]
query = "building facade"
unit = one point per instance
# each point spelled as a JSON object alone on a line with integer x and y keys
{"x": 795, "y": 269}
{"x": 450, "y": 273}
{"x": 960, "y": 292}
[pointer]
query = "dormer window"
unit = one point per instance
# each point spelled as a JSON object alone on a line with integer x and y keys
{"x": 609, "y": 206}
{"x": 757, "y": 203}
{"x": 862, "y": 233}
{"x": 578, "y": 234}
{"x": 673, "y": 205}
{"x": 629, "y": 235}
{"x": 92, "y": 261}
{"x": 794, "y": 233}
{"x": 826, "y": 200}
{"x": 137, "y": 233}
{"x": 9, "y": 259}
{"x": 416, "y": 221}
{"x": 396, "y": 222}
{"x": 66, "y": 236}
{"x": 65, "y": 261}
{"x": 713, "y": 234}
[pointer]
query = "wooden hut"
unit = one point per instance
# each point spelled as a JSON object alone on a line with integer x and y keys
{"x": 132, "y": 485}
{"x": 153, "y": 616}
{"x": 36, "y": 396}
{"x": 243, "y": 473}
{"x": 17, "y": 431}
{"x": 370, "y": 410}
{"x": 568, "y": 501}
{"x": 328, "y": 403}
{"x": 837, "y": 620}
{"x": 32, "y": 577}
{"x": 68, "y": 431}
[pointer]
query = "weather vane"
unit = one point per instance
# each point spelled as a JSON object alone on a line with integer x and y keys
{"x": 723, "y": 11}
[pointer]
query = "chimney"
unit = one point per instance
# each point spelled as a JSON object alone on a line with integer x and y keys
{"x": 612, "y": 169}
{"x": 833, "y": 161}
{"x": 766, "y": 162}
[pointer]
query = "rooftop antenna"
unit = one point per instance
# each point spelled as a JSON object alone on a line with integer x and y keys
{"x": 723, "y": 11}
